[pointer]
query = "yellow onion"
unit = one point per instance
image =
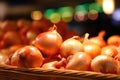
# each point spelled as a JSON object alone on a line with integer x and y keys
{"x": 79, "y": 61}
{"x": 99, "y": 40}
{"x": 114, "y": 40}
{"x": 71, "y": 46}
{"x": 49, "y": 42}
{"x": 104, "y": 64}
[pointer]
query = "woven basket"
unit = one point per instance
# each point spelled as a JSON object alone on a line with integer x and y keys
{"x": 13, "y": 73}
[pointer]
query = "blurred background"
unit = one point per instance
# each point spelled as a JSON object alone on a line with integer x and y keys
{"x": 82, "y": 16}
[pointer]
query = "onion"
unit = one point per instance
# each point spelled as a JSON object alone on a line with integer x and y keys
{"x": 28, "y": 57}
{"x": 79, "y": 61}
{"x": 55, "y": 64}
{"x": 104, "y": 64}
{"x": 23, "y": 23}
{"x": 8, "y": 25}
{"x": 49, "y": 42}
{"x": 71, "y": 46}
{"x": 109, "y": 51}
{"x": 4, "y": 54}
{"x": 50, "y": 65}
{"x": 117, "y": 58}
{"x": 99, "y": 40}
{"x": 11, "y": 38}
{"x": 90, "y": 47}
{"x": 114, "y": 40}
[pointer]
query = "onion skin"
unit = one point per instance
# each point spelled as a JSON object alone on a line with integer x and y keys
{"x": 55, "y": 64}
{"x": 8, "y": 25}
{"x": 71, "y": 46}
{"x": 11, "y": 38}
{"x": 99, "y": 40}
{"x": 79, "y": 61}
{"x": 109, "y": 51}
{"x": 27, "y": 56}
{"x": 92, "y": 49}
{"x": 4, "y": 55}
{"x": 114, "y": 40}
{"x": 49, "y": 42}
{"x": 50, "y": 65}
{"x": 104, "y": 64}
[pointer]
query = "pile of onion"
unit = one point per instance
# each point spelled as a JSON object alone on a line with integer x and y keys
{"x": 49, "y": 42}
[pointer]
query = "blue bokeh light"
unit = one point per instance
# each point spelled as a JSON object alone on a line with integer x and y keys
{"x": 116, "y": 15}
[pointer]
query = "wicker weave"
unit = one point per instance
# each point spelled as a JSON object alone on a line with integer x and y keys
{"x": 13, "y": 73}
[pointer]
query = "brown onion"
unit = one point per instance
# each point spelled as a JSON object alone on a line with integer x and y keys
{"x": 71, "y": 46}
{"x": 114, "y": 40}
{"x": 104, "y": 64}
{"x": 109, "y": 51}
{"x": 49, "y": 42}
{"x": 90, "y": 47}
{"x": 79, "y": 61}
{"x": 28, "y": 57}
{"x": 99, "y": 40}
{"x": 55, "y": 64}
{"x": 4, "y": 55}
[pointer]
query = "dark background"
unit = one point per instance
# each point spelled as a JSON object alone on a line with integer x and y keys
{"x": 104, "y": 22}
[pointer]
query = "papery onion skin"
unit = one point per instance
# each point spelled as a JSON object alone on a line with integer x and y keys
{"x": 92, "y": 49}
{"x": 28, "y": 57}
{"x": 49, "y": 42}
{"x": 79, "y": 61}
{"x": 114, "y": 40}
{"x": 104, "y": 64}
{"x": 71, "y": 46}
{"x": 49, "y": 65}
{"x": 99, "y": 40}
{"x": 55, "y": 64}
{"x": 4, "y": 55}
{"x": 109, "y": 51}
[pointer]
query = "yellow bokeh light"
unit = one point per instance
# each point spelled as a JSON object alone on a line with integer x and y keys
{"x": 99, "y": 1}
{"x": 108, "y": 6}
{"x": 36, "y": 15}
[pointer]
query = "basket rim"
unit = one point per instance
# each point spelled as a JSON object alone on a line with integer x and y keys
{"x": 73, "y": 74}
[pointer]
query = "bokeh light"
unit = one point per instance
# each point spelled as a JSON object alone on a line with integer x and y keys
{"x": 36, "y": 15}
{"x": 48, "y": 13}
{"x": 67, "y": 16}
{"x": 95, "y": 6}
{"x": 55, "y": 17}
{"x": 100, "y": 2}
{"x": 66, "y": 13}
{"x": 93, "y": 14}
{"x": 108, "y": 6}
{"x": 116, "y": 15}
{"x": 81, "y": 12}
{"x": 83, "y": 7}
{"x": 80, "y": 16}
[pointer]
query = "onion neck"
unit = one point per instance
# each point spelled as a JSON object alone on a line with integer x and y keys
{"x": 53, "y": 28}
